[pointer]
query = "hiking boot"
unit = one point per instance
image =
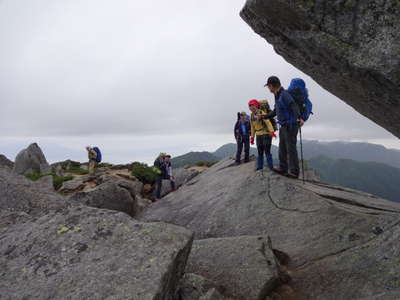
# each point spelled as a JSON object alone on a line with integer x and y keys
{"x": 280, "y": 171}
{"x": 294, "y": 176}
{"x": 237, "y": 163}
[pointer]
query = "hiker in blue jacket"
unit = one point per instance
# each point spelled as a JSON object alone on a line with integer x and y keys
{"x": 289, "y": 118}
{"x": 242, "y": 135}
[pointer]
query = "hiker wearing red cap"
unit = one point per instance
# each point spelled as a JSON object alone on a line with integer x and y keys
{"x": 263, "y": 130}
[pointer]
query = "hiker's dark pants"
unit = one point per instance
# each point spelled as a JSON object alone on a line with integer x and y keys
{"x": 159, "y": 180}
{"x": 243, "y": 141}
{"x": 288, "y": 158}
{"x": 171, "y": 182}
{"x": 264, "y": 147}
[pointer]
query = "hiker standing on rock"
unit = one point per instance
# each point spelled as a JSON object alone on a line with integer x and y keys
{"x": 168, "y": 167}
{"x": 164, "y": 171}
{"x": 92, "y": 155}
{"x": 262, "y": 129}
{"x": 242, "y": 132}
{"x": 289, "y": 119}
{"x": 159, "y": 165}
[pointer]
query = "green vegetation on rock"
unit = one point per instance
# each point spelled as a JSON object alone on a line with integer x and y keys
{"x": 144, "y": 173}
{"x": 205, "y": 163}
{"x": 57, "y": 180}
{"x": 77, "y": 171}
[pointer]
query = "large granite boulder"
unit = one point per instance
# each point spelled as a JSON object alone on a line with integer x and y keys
{"x": 77, "y": 184}
{"x": 112, "y": 193}
{"x": 31, "y": 160}
{"x": 350, "y": 47}
{"x": 5, "y": 162}
{"x": 196, "y": 287}
{"x": 181, "y": 176}
{"x": 87, "y": 253}
{"x": 60, "y": 168}
{"x": 18, "y": 193}
{"x": 347, "y": 233}
{"x": 242, "y": 267}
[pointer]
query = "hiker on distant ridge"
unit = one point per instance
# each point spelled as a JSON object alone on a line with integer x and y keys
{"x": 263, "y": 130}
{"x": 242, "y": 132}
{"x": 288, "y": 114}
{"x": 92, "y": 155}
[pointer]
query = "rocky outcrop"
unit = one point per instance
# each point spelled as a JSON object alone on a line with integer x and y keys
{"x": 350, "y": 47}
{"x": 60, "y": 168}
{"x": 114, "y": 195}
{"x": 340, "y": 241}
{"x": 181, "y": 176}
{"x": 31, "y": 160}
{"x": 196, "y": 287}
{"x": 87, "y": 253}
{"x": 76, "y": 185}
{"x": 20, "y": 194}
{"x": 5, "y": 162}
{"x": 54, "y": 248}
{"x": 242, "y": 267}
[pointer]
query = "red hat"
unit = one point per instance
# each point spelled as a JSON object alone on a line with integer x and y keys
{"x": 254, "y": 102}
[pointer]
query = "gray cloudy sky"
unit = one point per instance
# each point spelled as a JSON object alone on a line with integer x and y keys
{"x": 140, "y": 77}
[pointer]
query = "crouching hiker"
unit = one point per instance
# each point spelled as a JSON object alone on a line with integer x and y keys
{"x": 262, "y": 129}
{"x": 94, "y": 156}
{"x": 242, "y": 135}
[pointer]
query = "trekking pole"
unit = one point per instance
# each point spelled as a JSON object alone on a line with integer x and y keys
{"x": 301, "y": 152}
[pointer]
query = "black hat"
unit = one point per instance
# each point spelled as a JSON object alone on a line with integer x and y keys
{"x": 273, "y": 80}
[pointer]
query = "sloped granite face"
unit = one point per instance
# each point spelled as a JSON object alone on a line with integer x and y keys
{"x": 350, "y": 47}
{"x": 88, "y": 253}
{"x": 341, "y": 242}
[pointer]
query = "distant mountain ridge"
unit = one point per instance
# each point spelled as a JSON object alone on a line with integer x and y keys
{"x": 192, "y": 158}
{"x": 362, "y": 166}
{"x": 372, "y": 177}
{"x": 363, "y": 152}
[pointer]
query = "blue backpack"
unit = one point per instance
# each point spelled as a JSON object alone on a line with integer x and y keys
{"x": 299, "y": 92}
{"x": 98, "y": 154}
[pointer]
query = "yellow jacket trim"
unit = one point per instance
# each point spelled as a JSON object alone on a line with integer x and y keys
{"x": 261, "y": 127}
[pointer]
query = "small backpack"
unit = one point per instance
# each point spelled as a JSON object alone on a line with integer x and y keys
{"x": 299, "y": 92}
{"x": 98, "y": 154}
{"x": 264, "y": 105}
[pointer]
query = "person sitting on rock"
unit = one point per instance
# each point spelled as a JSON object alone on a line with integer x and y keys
{"x": 160, "y": 167}
{"x": 92, "y": 155}
{"x": 263, "y": 130}
{"x": 242, "y": 135}
{"x": 168, "y": 167}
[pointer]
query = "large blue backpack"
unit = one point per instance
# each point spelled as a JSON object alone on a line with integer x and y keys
{"x": 98, "y": 154}
{"x": 299, "y": 92}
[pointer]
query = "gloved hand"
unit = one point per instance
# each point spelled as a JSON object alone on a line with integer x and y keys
{"x": 273, "y": 134}
{"x": 252, "y": 140}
